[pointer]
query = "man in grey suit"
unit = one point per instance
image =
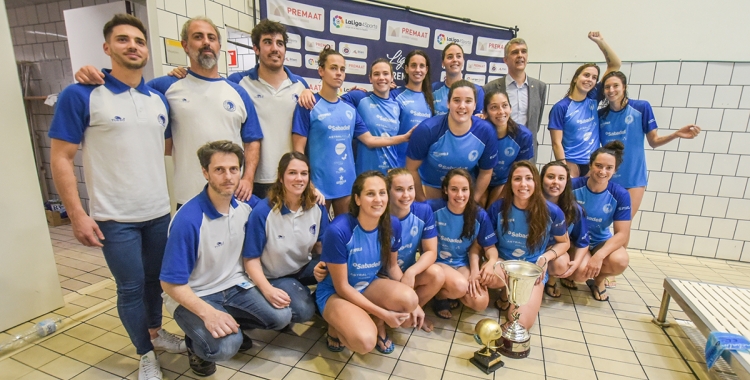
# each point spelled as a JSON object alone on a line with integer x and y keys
{"x": 526, "y": 95}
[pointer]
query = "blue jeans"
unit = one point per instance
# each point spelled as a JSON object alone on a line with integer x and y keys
{"x": 246, "y": 306}
{"x": 134, "y": 252}
{"x": 295, "y": 285}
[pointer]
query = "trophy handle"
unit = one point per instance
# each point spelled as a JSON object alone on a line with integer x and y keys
{"x": 502, "y": 265}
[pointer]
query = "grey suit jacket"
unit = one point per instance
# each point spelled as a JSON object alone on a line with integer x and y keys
{"x": 537, "y": 98}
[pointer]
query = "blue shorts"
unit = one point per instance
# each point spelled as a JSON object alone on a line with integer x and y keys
{"x": 323, "y": 293}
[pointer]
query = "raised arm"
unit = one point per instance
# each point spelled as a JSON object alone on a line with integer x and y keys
{"x": 687, "y": 132}
{"x": 613, "y": 61}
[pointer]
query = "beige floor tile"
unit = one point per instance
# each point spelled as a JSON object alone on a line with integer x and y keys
{"x": 432, "y": 345}
{"x": 686, "y": 347}
{"x": 700, "y": 370}
{"x": 111, "y": 341}
{"x": 86, "y": 301}
{"x": 374, "y": 362}
{"x": 618, "y": 367}
{"x": 610, "y": 376}
{"x": 94, "y": 373}
{"x": 244, "y": 376}
{"x": 554, "y": 332}
{"x": 13, "y": 369}
{"x": 280, "y": 355}
{"x": 510, "y": 373}
{"x": 567, "y": 358}
{"x": 663, "y": 374}
{"x": 36, "y": 356}
{"x": 558, "y": 313}
{"x": 263, "y": 335}
{"x": 222, "y": 373}
{"x": 62, "y": 343}
{"x": 448, "y": 375}
{"x": 464, "y": 367}
{"x": 641, "y": 336}
{"x": 607, "y": 341}
{"x": 655, "y": 349}
{"x": 269, "y": 369}
{"x": 104, "y": 294}
{"x": 597, "y": 320}
{"x": 615, "y": 354}
{"x": 353, "y": 372}
{"x": 306, "y": 331}
{"x": 564, "y": 345}
{"x": 562, "y": 371}
{"x": 463, "y": 352}
{"x": 648, "y": 327}
{"x": 424, "y": 358}
{"x": 118, "y": 364}
{"x": 465, "y": 339}
{"x": 89, "y": 354}
{"x": 615, "y": 332}
{"x": 85, "y": 332}
{"x": 69, "y": 309}
{"x": 299, "y": 374}
{"x": 293, "y": 342}
{"x": 672, "y": 364}
{"x": 174, "y": 362}
{"x": 416, "y": 371}
{"x": 104, "y": 321}
{"x": 37, "y": 375}
{"x": 568, "y": 324}
{"x": 64, "y": 367}
{"x": 321, "y": 365}
{"x": 320, "y": 349}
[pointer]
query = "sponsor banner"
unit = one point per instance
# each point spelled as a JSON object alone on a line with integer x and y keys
{"x": 293, "y": 59}
{"x": 317, "y": 45}
{"x": 316, "y": 84}
{"x": 498, "y": 68}
{"x": 311, "y": 61}
{"x": 490, "y": 78}
{"x": 351, "y": 50}
{"x": 294, "y": 42}
{"x": 444, "y": 37}
{"x": 407, "y": 33}
{"x": 356, "y": 67}
{"x": 354, "y": 25}
{"x": 491, "y": 47}
{"x": 476, "y": 66}
{"x": 296, "y": 14}
{"x": 475, "y": 78}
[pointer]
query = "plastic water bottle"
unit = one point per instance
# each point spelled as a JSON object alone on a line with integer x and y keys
{"x": 41, "y": 329}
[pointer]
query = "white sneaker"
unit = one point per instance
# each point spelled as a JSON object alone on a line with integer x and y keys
{"x": 149, "y": 368}
{"x": 169, "y": 342}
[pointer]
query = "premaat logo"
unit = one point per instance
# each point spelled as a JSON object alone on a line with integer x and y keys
{"x": 229, "y": 106}
{"x": 338, "y": 21}
{"x": 441, "y": 38}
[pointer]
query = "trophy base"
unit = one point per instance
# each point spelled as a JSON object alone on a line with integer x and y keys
{"x": 515, "y": 350}
{"x": 488, "y": 364}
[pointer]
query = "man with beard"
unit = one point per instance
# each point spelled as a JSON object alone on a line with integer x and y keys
{"x": 121, "y": 125}
{"x": 526, "y": 95}
{"x": 203, "y": 276}
{"x": 204, "y": 107}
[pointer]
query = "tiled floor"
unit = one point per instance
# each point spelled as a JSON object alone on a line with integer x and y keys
{"x": 575, "y": 337}
{"x": 77, "y": 266}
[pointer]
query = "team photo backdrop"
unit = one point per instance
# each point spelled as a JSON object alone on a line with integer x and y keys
{"x": 364, "y": 32}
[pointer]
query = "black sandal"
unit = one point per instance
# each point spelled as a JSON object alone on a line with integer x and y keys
{"x": 503, "y": 301}
{"x": 596, "y": 292}
{"x": 569, "y": 284}
{"x": 440, "y": 306}
{"x": 454, "y": 303}
{"x": 554, "y": 288}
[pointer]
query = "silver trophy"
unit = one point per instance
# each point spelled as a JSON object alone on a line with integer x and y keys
{"x": 521, "y": 276}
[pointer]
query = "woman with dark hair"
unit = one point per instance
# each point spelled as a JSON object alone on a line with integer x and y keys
{"x": 606, "y": 204}
{"x": 453, "y": 62}
{"x": 356, "y": 246}
{"x": 524, "y": 223}
{"x": 573, "y": 121}
{"x": 557, "y": 188}
{"x": 329, "y": 127}
{"x": 464, "y": 231}
{"x": 418, "y": 234}
{"x": 283, "y": 268}
{"x": 455, "y": 140}
{"x": 630, "y": 121}
{"x": 514, "y": 141}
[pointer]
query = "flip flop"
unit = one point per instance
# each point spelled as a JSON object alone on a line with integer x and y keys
{"x": 504, "y": 301}
{"x": 554, "y": 288}
{"x": 388, "y": 349}
{"x": 610, "y": 283}
{"x": 596, "y": 292}
{"x": 337, "y": 348}
{"x": 439, "y": 306}
{"x": 454, "y": 303}
{"x": 566, "y": 283}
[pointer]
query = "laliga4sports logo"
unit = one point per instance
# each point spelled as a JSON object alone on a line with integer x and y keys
{"x": 441, "y": 38}
{"x": 338, "y": 21}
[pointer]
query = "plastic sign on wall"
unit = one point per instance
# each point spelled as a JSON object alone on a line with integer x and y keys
{"x": 232, "y": 58}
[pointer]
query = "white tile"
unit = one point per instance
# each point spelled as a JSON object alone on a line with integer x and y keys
{"x": 643, "y": 73}
{"x": 739, "y": 209}
{"x": 195, "y": 8}
{"x": 651, "y": 221}
{"x": 658, "y": 181}
{"x": 239, "y": 5}
{"x": 707, "y": 185}
{"x": 168, "y": 24}
{"x": 175, "y": 6}
{"x": 663, "y": 116}
{"x": 743, "y": 168}
{"x": 658, "y": 242}
{"x": 727, "y": 96}
{"x": 716, "y": 207}
{"x": 741, "y": 73}
{"x": 692, "y": 72}
{"x": 718, "y": 73}
{"x": 654, "y": 159}
{"x": 735, "y": 120}
{"x": 722, "y": 228}
{"x": 647, "y": 204}
{"x": 675, "y": 162}
{"x": 675, "y": 223}
{"x": 705, "y": 247}
{"x": 733, "y": 187}
{"x": 716, "y": 142}
{"x": 682, "y": 244}
{"x": 709, "y": 119}
{"x": 653, "y": 93}
{"x": 554, "y": 94}
{"x": 42, "y": 13}
{"x": 682, "y": 117}
{"x": 215, "y": 13}
{"x": 725, "y": 164}
{"x": 743, "y": 230}
{"x": 638, "y": 239}
{"x": 224, "y": 2}
{"x": 636, "y": 221}
{"x": 675, "y": 95}
{"x": 667, "y": 72}
{"x": 55, "y": 12}
{"x": 246, "y": 24}
{"x": 745, "y": 253}
{"x": 634, "y": 91}
{"x": 699, "y": 163}
{"x": 666, "y": 202}
{"x": 729, "y": 249}
{"x": 568, "y": 69}
{"x": 690, "y": 204}
{"x": 701, "y": 96}
{"x": 231, "y": 17}
{"x": 745, "y": 101}
{"x": 550, "y": 73}
{"x": 682, "y": 183}
{"x": 698, "y": 226}
{"x": 31, "y": 15}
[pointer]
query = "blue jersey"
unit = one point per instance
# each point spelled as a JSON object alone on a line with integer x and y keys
{"x": 330, "y": 128}
{"x": 346, "y": 242}
{"x": 511, "y": 244}
{"x": 453, "y": 250}
{"x": 509, "y": 150}
{"x": 629, "y": 125}
{"x": 577, "y": 231}
{"x": 418, "y": 225}
{"x": 440, "y": 94}
{"x": 381, "y": 116}
{"x": 440, "y": 150}
{"x": 414, "y": 110}
{"x": 602, "y": 209}
{"x": 579, "y": 123}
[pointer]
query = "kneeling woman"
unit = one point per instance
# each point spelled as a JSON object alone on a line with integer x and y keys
{"x": 355, "y": 247}
{"x": 463, "y": 232}
{"x": 606, "y": 204}
{"x": 524, "y": 221}
{"x": 282, "y": 268}
{"x": 417, "y": 230}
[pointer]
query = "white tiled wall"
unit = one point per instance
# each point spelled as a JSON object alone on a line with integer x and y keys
{"x": 698, "y": 198}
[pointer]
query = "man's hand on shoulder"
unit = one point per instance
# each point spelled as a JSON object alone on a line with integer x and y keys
{"x": 89, "y": 75}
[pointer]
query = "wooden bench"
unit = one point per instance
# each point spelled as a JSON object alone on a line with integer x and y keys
{"x": 712, "y": 308}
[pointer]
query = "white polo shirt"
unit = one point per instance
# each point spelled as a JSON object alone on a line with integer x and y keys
{"x": 204, "y": 110}
{"x": 122, "y": 132}
{"x": 275, "y": 111}
{"x": 204, "y": 248}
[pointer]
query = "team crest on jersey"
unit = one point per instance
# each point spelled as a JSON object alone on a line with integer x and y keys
{"x": 591, "y": 106}
{"x": 349, "y": 115}
{"x": 162, "y": 119}
{"x": 473, "y": 155}
{"x": 414, "y": 231}
{"x": 586, "y": 136}
{"x": 229, "y": 106}
{"x": 628, "y": 119}
{"x": 518, "y": 252}
{"x": 313, "y": 228}
{"x": 607, "y": 208}
{"x": 509, "y": 151}
{"x": 400, "y": 262}
{"x": 118, "y": 119}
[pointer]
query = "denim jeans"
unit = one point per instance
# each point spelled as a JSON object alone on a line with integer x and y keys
{"x": 246, "y": 306}
{"x": 295, "y": 285}
{"x": 134, "y": 252}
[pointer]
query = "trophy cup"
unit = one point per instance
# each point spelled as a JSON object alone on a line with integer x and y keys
{"x": 521, "y": 276}
{"x": 487, "y": 331}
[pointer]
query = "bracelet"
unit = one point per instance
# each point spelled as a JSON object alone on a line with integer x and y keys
{"x": 555, "y": 252}
{"x": 545, "y": 261}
